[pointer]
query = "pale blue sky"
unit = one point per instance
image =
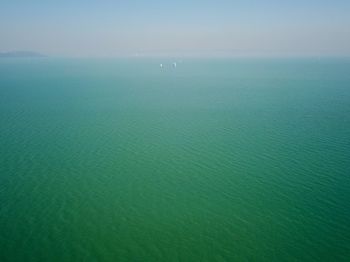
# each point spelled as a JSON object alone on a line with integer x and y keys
{"x": 112, "y": 28}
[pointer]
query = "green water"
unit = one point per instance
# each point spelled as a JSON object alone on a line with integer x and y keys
{"x": 215, "y": 160}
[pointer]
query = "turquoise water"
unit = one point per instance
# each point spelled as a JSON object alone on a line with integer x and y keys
{"x": 215, "y": 160}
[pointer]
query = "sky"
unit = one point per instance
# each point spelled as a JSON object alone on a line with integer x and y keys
{"x": 106, "y": 28}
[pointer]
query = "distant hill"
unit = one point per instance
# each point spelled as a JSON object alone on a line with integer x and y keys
{"x": 14, "y": 54}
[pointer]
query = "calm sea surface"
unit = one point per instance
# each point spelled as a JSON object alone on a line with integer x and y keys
{"x": 214, "y": 160}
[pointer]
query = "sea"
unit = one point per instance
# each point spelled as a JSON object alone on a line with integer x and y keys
{"x": 214, "y": 159}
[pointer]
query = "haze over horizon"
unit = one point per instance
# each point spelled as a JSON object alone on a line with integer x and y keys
{"x": 109, "y": 28}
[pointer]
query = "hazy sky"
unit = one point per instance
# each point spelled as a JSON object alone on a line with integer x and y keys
{"x": 111, "y": 28}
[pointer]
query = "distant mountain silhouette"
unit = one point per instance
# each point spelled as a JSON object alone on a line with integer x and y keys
{"x": 14, "y": 54}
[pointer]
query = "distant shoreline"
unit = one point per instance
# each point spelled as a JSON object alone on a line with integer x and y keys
{"x": 21, "y": 54}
